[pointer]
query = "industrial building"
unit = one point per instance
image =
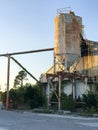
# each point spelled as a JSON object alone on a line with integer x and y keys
{"x": 75, "y": 59}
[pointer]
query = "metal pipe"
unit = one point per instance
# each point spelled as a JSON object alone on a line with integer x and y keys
{"x": 27, "y": 52}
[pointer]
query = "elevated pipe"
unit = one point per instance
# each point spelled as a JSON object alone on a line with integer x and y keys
{"x": 27, "y": 52}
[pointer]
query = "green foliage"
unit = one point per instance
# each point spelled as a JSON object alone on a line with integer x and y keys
{"x": 67, "y": 102}
{"x": 54, "y": 102}
{"x": 34, "y": 97}
{"x": 96, "y": 87}
{"x": 90, "y": 99}
{"x": 96, "y": 97}
{"x": 0, "y": 95}
{"x": 27, "y": 96}
{"x": 18, "y": 81}
{"x": 4, "y": 98}
{"x": 16, "y": 97}
{"x": 91, "y": 110}
{"x": 13, "y": 98}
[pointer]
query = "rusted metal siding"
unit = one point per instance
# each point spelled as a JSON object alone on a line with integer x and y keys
{"x": 73, "y": 37}
{"x": 67, "y": 37}
{"x": 89, "y": 65}
{"x": 90, "y": 62}
{"x": 60, "y": 37}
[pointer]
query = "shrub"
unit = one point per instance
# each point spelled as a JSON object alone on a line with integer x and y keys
{"x": 90, "y": 100}
{"x": 34, "y": 97}
{"x": 25, "y": 97}
{"x": 67, "y": 102}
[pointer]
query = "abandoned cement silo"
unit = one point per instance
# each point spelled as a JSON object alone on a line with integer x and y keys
{"x": 68, "y": 28}
{"x": 70, "y": 46}
{"x": 75, "y": 59}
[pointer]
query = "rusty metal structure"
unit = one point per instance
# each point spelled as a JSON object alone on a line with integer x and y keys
{"x": 68, "y": 28}
{"x": 74, "y": 58}
{"x": 78, "y": 55}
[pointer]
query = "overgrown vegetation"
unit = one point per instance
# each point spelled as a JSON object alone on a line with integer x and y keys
{"x": 32, "y": 96}
{"x": 25, "y": 96}
{"x": 67, "y": 102}
{"x": 91, "y": 103}
{"x": 28, "y": 96}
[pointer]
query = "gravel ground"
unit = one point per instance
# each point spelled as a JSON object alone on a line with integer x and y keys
{"x": 10, "y": 120}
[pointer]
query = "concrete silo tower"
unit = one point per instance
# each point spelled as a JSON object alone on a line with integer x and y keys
{"x": 68, "y": 28}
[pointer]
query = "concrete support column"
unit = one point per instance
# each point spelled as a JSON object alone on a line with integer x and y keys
{"x": 73, "y": 89}
{"x": 48, "y": 93}
{"x": 85, "y": 81}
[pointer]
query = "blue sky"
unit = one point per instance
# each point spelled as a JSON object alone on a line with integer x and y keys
{"x": 29, "y": 25}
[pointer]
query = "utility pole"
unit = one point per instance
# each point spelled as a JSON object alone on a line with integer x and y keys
{"x": 8, "y": 77}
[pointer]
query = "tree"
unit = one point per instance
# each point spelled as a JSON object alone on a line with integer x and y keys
{"x": 18, "y": 81}
{"x": 34, "y": 96}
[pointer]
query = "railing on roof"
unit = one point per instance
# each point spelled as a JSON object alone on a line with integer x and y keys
{"x": 63, "y": 10}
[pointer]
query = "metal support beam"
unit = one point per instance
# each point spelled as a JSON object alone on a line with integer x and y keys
{"x": 24, "y": 68}
{"x": 8, "y": 78}
{"x": 59, "y": 95}
{"x": 27, "y": 52}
